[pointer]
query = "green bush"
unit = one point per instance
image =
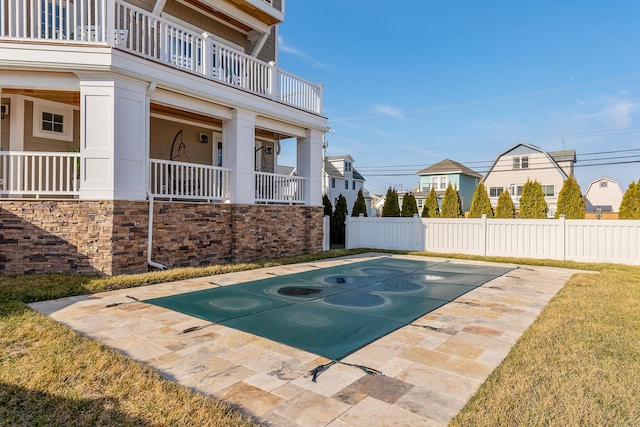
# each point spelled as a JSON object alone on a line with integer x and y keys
{"x": 451, "y": 204}
{"x": 630, "y": 205}
{"x": 505, "y": 207}
{"x": 431, "y": 208}
{"x": 338, "y": 221}
{"x": 359, "y": 206}
{"x": 532, "y": 203}
{"x": 570, "y": 201}
{"x": 409, "y": 205}
{"x": 480, "y": 204}
{"x": 328, "y": 209}
{"x": 391, "y": 206}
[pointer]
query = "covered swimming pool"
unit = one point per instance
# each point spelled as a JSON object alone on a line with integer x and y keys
{"x": 334, "y": 311}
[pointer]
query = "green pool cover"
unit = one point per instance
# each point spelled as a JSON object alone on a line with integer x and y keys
{"x": 335, "y": 311}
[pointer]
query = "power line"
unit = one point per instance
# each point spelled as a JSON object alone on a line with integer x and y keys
{"x": 526, "y": 169}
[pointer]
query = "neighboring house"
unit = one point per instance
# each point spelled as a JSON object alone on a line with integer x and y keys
{"x": 139, "y": 133}
{"x": 523, "y": 162}
{"x": 603, "y": 195}
{"x": 443, "y": 173}
{"x": 340, "y": 177}
{"x": 377, "y": 203}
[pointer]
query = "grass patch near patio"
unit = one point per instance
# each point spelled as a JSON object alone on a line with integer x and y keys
{"x": 50, "y": 375}
{"x": 577, "y": 365}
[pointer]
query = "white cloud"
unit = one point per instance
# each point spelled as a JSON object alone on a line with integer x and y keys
{"x": 284, "y": 47}
{"x": 617, "y": 113}
{"x": 385, "y": 134}
{"x": 390, "y": 111}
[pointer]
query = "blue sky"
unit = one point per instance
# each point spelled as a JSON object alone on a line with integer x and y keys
{"x": 408, "y": 86}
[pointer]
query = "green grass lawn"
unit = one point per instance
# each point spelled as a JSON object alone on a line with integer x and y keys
{"x": 578, "y": 364}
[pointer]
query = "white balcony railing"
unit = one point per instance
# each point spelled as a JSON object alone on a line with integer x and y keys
{"x": 122, "y": 25}
{"x": 191, "y": 181}
{"x": 39, "y": 173}
{"x": 276, "y": 188}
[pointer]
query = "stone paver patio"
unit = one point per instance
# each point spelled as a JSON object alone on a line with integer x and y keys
{"x": 429, "y": 368}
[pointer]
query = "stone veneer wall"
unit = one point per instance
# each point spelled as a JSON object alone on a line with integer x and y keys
{"x": 268, "y": 231}
{"x": 95, "y": 237}
{"x": 191, "y": 234}
{"x": 110, "y": 237}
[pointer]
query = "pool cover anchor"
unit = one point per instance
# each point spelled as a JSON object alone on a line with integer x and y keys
{"x": 315, "y": 372}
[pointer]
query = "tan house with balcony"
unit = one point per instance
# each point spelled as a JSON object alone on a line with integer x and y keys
{"x": 139, "y": 133}
{"x": 522, "y": 162}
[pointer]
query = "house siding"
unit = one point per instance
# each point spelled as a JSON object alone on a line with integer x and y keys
{"x": 110, "y": 237}
{"x": 199, "y": 20}
{"x": 540, "y": 169}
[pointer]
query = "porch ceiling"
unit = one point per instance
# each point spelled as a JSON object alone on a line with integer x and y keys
{"x": 185, "y": 115}
{"x": 253, "y": 12}
{"x": 64, "y": 97}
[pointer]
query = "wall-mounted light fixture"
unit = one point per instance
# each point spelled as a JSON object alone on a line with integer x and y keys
{"x": 204, "y": 138}
{"x": 4, "y": 110}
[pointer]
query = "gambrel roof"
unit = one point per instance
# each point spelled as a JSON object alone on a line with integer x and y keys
{"x": 522, "y": 148}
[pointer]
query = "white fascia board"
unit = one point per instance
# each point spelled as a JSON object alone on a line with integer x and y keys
{"x": 54, "y": 57}
{"x": 282, "y": 127}
{"x": 166, "y": 97}
{"x": 37, "y": 80}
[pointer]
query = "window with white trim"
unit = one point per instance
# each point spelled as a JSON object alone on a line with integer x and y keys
{"x": 346, "y": 184}
{"x": 603, "y": 184}
{"x": 549, "y": 190}
{"x": 52, "y": 122}
{"x": 439, "y": 182}
{"x": 516, "y": 190}
{"x": 495, "y": 191}
{"x": 333, "y": 183}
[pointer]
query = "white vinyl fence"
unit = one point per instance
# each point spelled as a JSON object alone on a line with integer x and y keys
{"x": 559, "y": 239}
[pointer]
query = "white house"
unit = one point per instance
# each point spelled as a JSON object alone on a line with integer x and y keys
{"x": 340, "y": 177}
{"x": 603, "y": 194}
{"x": 147, "y": 132}
{"x": 513, "y": 167}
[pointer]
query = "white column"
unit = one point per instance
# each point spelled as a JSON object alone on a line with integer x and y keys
{"x": 309, "y": 163}
{"x": 238, "y": 141}
{"x": 113, "y": 123}
{"x": 16, "y": 124}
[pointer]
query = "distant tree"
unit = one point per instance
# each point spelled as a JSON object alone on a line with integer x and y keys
{"x": 338, "y": 221}
{"x": 451, "y": 204}
{"x": 328, "y": 209}
{"x": 570, "y": 201}
{"x": 630, "y": 205}
{"x": 391, "y": 206}
{"x": 409, "y": 205}
{"x": 431, "y": 208}
{"x": 532, "y": 203}
{"x": 359, "y": 206}
{"x": 480, "y": 204}
{"x": 505, "y": 207}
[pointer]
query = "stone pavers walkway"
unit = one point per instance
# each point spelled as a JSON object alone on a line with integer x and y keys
{"x": 429, "y": 369}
